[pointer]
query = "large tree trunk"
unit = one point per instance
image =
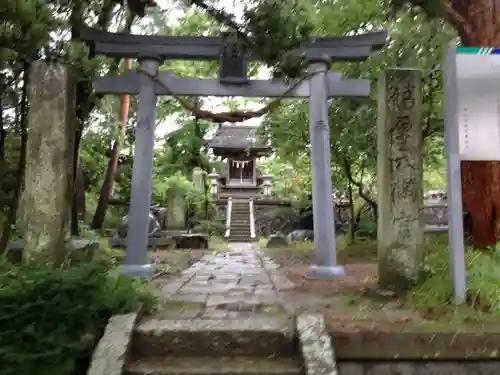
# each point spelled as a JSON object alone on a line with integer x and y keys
{"x": 481, "y": 179}
{"x": 109, "y": 177}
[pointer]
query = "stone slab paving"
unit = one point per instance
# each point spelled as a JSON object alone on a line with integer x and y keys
{"x": 233, "y": 284}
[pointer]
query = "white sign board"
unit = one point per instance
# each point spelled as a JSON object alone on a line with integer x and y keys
{"x": 478, "y": 103}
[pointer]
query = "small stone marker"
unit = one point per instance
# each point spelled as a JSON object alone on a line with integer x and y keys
{"x": 46, "y": 198}
{"x": 316, "y": 345}
{"x": 110, "y": 354}
{"x": 400, "y": 169}
{"x": 199, "y": 178}
{"x": 176, "y": 210}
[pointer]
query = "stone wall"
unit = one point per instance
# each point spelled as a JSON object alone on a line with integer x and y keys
{"x": 431, "y": 349}
{"x": 419, "y": 368}
{"x": 270, "y": 217}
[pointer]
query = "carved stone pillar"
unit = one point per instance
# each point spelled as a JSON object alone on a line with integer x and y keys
{"x": 400, "y": 191}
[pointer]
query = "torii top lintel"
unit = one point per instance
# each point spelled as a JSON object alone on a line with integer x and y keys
{"x": 337, "y": 48}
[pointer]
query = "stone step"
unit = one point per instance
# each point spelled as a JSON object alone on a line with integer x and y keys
{"x": 259, "y": 336}
{"x": 214, "y": 366}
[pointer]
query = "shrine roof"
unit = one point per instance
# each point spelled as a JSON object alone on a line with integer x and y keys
{"x": 238, "y": 137}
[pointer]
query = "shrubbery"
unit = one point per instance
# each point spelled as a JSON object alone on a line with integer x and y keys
{"x": 45, "y": 313}
{"x": 212, "y": 228}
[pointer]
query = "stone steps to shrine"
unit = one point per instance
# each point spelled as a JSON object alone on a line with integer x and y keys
{"x": 240, "y": 222}
{"x": 258, "y": 346}
{"x": 239, "y": 236}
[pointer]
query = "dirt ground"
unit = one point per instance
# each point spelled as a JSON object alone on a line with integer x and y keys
{"x": 349, "y": 304}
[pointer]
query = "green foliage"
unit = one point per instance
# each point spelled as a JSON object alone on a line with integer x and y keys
{"x": 367, "y": 227}
{"x": 45, "y": 313}
{"x": 290, "y": 182}
{"x": 215, "y": 227}
{"x": 195, "y": 198}
{"x": 184, "y": 148}
{"x": 414, "y": 41}
{"x": 435, "y": 292}
{"x": 273, "y": 27}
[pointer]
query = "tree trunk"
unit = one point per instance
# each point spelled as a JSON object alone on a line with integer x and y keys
{"x": 481, "y": 179}
{"x": 80, "y": 201}
{"x": 75, "y": 227}
{"x": 3, "y": 133}
{"x": 10, "y": 220}
{"x": 109, "y": 177}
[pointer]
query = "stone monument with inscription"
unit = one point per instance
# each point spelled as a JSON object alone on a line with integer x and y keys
{"x": 48, "y": 186}
{"x": 199, "y": 178}
{"x": 176, "y": 210}
{"x": 400, "y": 169}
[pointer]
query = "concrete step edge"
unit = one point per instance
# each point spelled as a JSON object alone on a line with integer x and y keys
{"x": 257, "y": 337}
{"x": 214, "y": 366}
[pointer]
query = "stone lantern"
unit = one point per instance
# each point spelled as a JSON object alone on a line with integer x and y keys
{"x": 214, "y": 183}
{"x": 267, "y": 184}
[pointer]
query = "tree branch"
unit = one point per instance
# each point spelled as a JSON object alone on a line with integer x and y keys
{"x": 358, "y": 184}
{"x": 447, "y": 12}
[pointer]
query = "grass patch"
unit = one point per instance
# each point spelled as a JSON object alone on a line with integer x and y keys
{"x": 362, "y": 250}
{"x": 434, "y": 293}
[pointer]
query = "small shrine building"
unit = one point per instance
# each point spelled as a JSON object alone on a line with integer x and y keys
{"x": 239, "y": 147}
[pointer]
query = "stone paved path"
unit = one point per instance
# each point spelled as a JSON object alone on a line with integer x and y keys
{"x": 238, "y": 283}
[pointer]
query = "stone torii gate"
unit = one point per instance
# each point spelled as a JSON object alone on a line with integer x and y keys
{"x": 151, "y": 51}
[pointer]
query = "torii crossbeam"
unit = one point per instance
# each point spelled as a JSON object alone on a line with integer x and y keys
{"x": 322, "y": 85}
